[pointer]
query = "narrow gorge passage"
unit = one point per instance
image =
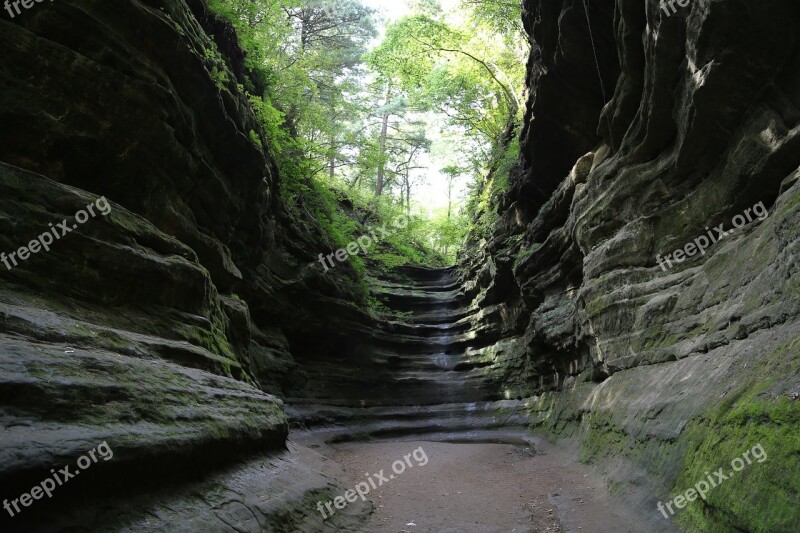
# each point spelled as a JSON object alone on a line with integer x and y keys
{"x": 482, "y": 472}
{"x": 535, "y": 259}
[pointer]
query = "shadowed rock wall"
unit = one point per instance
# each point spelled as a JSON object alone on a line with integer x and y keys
{"x": 659, "y": 371}
{"x": 159, "y": 326}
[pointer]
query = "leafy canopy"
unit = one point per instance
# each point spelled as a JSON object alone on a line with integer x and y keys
{"x": 344, "y": 116}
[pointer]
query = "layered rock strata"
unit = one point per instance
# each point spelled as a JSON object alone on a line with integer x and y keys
{"x": 163, "y": 326}
{"x": 662, "y": 370}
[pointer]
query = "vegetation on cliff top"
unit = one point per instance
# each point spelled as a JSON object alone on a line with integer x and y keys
{"x": 414, "y": 121}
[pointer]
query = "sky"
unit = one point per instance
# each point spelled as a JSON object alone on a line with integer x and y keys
{"x": 391, "y": 9}
{"x": 431, "y": 190}
{"x": 395, "y": 9}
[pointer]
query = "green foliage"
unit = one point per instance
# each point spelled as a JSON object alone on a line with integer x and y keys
{"x": 407, "y": 239}
{"x": 763, "y": 496}
{"x": 426, "y": 7}
{"x": 454, "y": 67}
{"x": 525, "y": 253}
{"x": 484, "y": 194}
{"x": 303, "y": 58}
{"x": 272, "y": 121}
{"x": 507, "y": 161}
{"x": 329, "y": 125}
{"x": 411, "y": 49}
{"x": 217, "y": 68}
{"x": 447, "y": 234}
{"x": 389, "y": 261}
{"x": 456, "y": 70}
{"x": 503, "y": 17}
{"x": 256, "y": 140}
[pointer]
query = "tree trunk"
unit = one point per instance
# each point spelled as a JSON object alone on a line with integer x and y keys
{"x": 332, "y": 149}
{"x": 382, "y": 163}
{"x": 408, "y": 192}
{"x": 332, "y": 157}
{"x": 449, "y": 198}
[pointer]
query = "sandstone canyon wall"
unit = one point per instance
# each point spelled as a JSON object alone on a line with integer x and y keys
{"x": 162, "y": 328}
{"x": 172, "y": 327}
{"x": 662, "y": 373}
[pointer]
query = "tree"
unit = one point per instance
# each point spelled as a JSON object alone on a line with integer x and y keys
{"x": 386, "y": 115}
{"x": 333, "y": 114}
{"x": 306, "y": 55}
{"x": 452, "y": 70}
{"x": 503, "y": 17}
{"x": 452, "y": 173}
{"x": 454, "y": 67}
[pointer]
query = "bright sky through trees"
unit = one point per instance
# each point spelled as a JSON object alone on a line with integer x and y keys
{"x": 412, "y": 108}
{"x": 397, "y": 9}
{"x": 432, "y": 188}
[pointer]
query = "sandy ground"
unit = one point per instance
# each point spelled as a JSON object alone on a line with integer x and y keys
{"x": 481, "y": 488}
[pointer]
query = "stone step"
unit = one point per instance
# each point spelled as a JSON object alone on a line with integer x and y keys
{"x": 392, "y": 388}
{"x": 411, "y": 285}
{"x": 424, "y": 330}
{"x": 338, "y": 423}
{"x": 421, "y": 274}
{"x": 438, "y": 316}
{"x": 405, "y": 301}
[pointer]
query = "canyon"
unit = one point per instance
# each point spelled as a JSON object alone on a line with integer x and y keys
{"x": 194, "y": 330}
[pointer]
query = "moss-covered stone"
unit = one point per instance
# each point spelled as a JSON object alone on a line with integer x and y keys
{"x": 764, "y": 496}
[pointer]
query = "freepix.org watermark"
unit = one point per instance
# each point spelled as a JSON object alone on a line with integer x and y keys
{"x": 362, "y": 243}
{"x": 26, "y": 4}
{"x": 703, "y": 487}
{"x": 375, "y": 480}
{"x": 43, "y": 241}
{"x": 59, "y": 478}
{"x": 703, "y": 243}
{"x": 667, "y": 5}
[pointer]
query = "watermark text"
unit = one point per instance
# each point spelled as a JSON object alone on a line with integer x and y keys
{"x": 713, "y": 480}
{"x": 59, "y": 478}
{"x": 43, "y": 241}
{"x": 363, "y": 243}
{"x": 373, "y": 482}
{"x": 704, "y": 242}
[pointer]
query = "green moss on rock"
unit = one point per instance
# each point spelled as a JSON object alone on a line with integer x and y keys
{"x": 763, "y": 496}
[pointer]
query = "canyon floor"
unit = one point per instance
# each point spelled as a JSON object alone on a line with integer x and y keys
{"x": 615, "y": 325}
{"x": 485, "y": 471}
{"x": 483, "y": 488}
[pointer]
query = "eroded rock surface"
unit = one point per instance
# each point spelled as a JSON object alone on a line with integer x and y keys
{"x": 162, "y": 327}
{"x": 659, "y": 370}
{"x": 175, "y": 323}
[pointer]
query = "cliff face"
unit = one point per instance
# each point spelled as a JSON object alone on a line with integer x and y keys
{"x": 659, "y": 367}
{"x": 157, "y": 324}
{"x": 169, "y": 325}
